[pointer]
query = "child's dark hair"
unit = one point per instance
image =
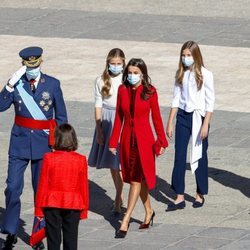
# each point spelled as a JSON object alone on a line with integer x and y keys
{"x": 65, "y": 138}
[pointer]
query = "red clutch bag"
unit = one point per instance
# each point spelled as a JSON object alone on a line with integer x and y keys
{"x": 38, "y": 234}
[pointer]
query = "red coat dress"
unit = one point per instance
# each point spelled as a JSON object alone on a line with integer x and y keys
{"x": 142, "y": 128}
{"x": 63, "y": 183}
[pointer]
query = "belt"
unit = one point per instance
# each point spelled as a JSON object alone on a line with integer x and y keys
{"x": 196, "y": 142}
{"x": 38, "y": 124}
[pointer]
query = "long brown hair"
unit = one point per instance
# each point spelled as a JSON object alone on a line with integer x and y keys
{"x": 146, "y": 80}
{"x": 198, "y": 63}
{"x": 116, "y": 52}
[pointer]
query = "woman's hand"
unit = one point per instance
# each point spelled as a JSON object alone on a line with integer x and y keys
{"x": 113, "y": 151}
{"x": 169, "y": 130}
{"x": 205, "y": 126}
{"x": 100, "y": 138}
{"x": 204, "y": 131}
{"x": 162, "y": 150}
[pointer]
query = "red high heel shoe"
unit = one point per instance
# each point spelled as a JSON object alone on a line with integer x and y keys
{"x": 151, "y": 222}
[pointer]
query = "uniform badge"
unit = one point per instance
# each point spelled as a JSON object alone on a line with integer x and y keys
{"x": 45, "y": 95}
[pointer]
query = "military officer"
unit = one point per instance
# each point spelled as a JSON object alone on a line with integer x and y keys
{"x": 39, "y": 106}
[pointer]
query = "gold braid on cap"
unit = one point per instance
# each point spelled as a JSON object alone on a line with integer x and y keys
{"x": 32, "y": 61}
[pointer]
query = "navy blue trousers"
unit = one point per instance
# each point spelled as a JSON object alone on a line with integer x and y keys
{"x": 183, "y": 132}
{"x": 14, "y": 189}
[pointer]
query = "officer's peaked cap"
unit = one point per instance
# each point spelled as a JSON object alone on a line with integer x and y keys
{"x": 32, "y": 56}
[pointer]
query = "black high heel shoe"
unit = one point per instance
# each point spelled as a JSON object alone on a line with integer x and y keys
{"x": 151, "y": 222}
{"x": 121, "y": 234}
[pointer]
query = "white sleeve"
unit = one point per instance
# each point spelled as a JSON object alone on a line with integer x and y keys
{"x": 98, "y": 95}
{"x": 209, "y": 92}
{"x": 177, "y": 94}
{"x": 9, "y": 89}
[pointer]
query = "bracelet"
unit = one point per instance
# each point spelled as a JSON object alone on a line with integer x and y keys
{"x": 10, "y": 86}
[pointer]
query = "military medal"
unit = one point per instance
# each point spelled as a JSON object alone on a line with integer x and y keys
{"x": 45, "y": 95}
{"x": 46, "y": 102}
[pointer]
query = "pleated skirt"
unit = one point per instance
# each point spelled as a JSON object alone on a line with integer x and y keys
{"x": 100, "y": 156}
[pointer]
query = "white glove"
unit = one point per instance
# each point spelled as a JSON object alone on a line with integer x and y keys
{"x": 17, "y": 75}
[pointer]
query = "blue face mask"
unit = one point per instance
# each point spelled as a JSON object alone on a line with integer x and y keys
{"x": 32, "y": 73}
{"x": 115, "y": 69}
{"x": 133, "y": 79}
{"x": 187, "y": 60}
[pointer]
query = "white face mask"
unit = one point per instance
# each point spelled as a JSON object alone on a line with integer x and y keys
{"x": 115, "y": 69}
{"x": 187, "y": 60}
{"x": 133, "y": 79}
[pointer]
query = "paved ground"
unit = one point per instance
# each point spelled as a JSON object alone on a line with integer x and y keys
{"x": 76, "y": 37}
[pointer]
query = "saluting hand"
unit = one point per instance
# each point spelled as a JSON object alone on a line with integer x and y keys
{"x": 17, "y": 75}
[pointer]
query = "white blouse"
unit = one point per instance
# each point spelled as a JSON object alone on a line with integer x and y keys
{"x": 189, "y": 98}
{"x": 110, "y": 100}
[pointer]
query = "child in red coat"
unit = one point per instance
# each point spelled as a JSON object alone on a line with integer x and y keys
{"x": 62, "y": 195}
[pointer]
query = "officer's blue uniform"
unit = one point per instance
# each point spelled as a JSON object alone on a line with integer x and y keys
{"x": 28, "y": 144}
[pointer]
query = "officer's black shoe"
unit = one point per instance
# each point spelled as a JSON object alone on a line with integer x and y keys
{"x": 39, "y": 246}
{"x": 10, "y": 241}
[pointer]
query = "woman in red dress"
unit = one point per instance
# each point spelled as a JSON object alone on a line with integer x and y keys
{"x": 136, "y": 99}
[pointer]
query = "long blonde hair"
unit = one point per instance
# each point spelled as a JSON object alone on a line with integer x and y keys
{"x": 116, "y": 52}
{"x": 198, "y": 63}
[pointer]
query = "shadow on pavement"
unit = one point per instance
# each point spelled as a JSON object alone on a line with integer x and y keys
{"x": 163, "y": 192}
{"x": 101, "y": 203}
{"x": 231, "y": 180}
{"x": 21, "y": 232}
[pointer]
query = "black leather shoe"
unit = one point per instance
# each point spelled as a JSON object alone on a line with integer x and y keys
{"x": 173, "y": 207}
{"x": 39, "y": 246}
{"x": 10, "y": 241}
{"x": 198, "y": 204}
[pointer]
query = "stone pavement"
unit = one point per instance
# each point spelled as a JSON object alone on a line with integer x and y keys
{"x": 76, "y": 37}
